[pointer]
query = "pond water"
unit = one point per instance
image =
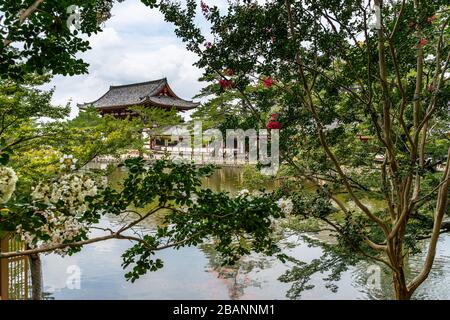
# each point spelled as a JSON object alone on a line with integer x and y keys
{"x": 193, "y": 273}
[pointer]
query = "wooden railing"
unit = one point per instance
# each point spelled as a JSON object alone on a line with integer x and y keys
{"x": 4, "y": 269}
{"x": 14, "y": 272}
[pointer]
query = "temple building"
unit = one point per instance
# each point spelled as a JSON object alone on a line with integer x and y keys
{"x": 152, "y": 94}
{"x": 156, "y": 93}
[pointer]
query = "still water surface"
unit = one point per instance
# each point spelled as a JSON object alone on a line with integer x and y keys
{"x": 193, "y": 273}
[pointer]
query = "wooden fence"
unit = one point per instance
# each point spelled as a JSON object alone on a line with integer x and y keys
{"x": 14, "y": 272}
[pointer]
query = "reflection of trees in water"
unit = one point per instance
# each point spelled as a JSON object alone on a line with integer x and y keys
{"x": 436, "y": 286}
{"x": 331, "y": 263}
{"x": 413, "y": 266}
{"x": 224, "y": 179}
{"x": 231, "y": 179}
{"x": 236, "y": 277}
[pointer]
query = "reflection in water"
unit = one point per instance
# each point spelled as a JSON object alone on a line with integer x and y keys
{"x": 188, "y": 273}
{"x": 225, "y": 179}
{"x": 196, "y": 273}
{"x": 237, "y": 277}
{"x": 437, "y": 286}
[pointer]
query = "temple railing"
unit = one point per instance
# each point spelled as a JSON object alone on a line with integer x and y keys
{"x": 203, "y": 156}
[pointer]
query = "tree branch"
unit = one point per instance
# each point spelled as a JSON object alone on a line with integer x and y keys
{"x": 114, "y": 235}
{"x": 23, "y": 17}
{"x": 441, "y": 207}
{"x": 320, "y": 130}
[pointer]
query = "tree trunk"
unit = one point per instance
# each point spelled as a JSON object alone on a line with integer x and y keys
{"x": 36, "y": 277}
{"x": 400, "y": 285}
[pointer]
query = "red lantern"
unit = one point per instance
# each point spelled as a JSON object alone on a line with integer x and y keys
{"x": 273, "y": 125}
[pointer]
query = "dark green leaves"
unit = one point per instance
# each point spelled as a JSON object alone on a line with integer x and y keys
{"x": 5, "y": 152}
{"x": 140, "y": 256}
{"x": 49, "y": 42}
{"x": 236, "y": 225}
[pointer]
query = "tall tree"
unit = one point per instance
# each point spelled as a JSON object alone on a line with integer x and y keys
{"x": 363, "y": 101}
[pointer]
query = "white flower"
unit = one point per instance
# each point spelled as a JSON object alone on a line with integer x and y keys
{"x": 8, "y": 180}
{"x": 72, "y": 188}
{"x": 243, "y": 193}
{"x": 194, "y": 198}
{"x": 59, "y": 228}
{"x": 257, "y": 193}
{"x": 285, "y": 205}
{"x": 68, "y": 161}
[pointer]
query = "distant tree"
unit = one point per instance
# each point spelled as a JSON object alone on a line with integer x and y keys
{"x": 34, "y": 134}
{"x": 225, "y": 109}
{"x": 21, "y": 107}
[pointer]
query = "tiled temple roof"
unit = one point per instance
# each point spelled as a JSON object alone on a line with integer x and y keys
{"x": 146, "y": 93}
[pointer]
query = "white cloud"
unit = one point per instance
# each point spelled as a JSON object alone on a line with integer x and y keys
{"x": 131, "y": 15}
{"x": 136, "y": 45}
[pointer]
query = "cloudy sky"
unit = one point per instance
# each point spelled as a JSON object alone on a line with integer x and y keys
{"x": 136, "y": 45}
